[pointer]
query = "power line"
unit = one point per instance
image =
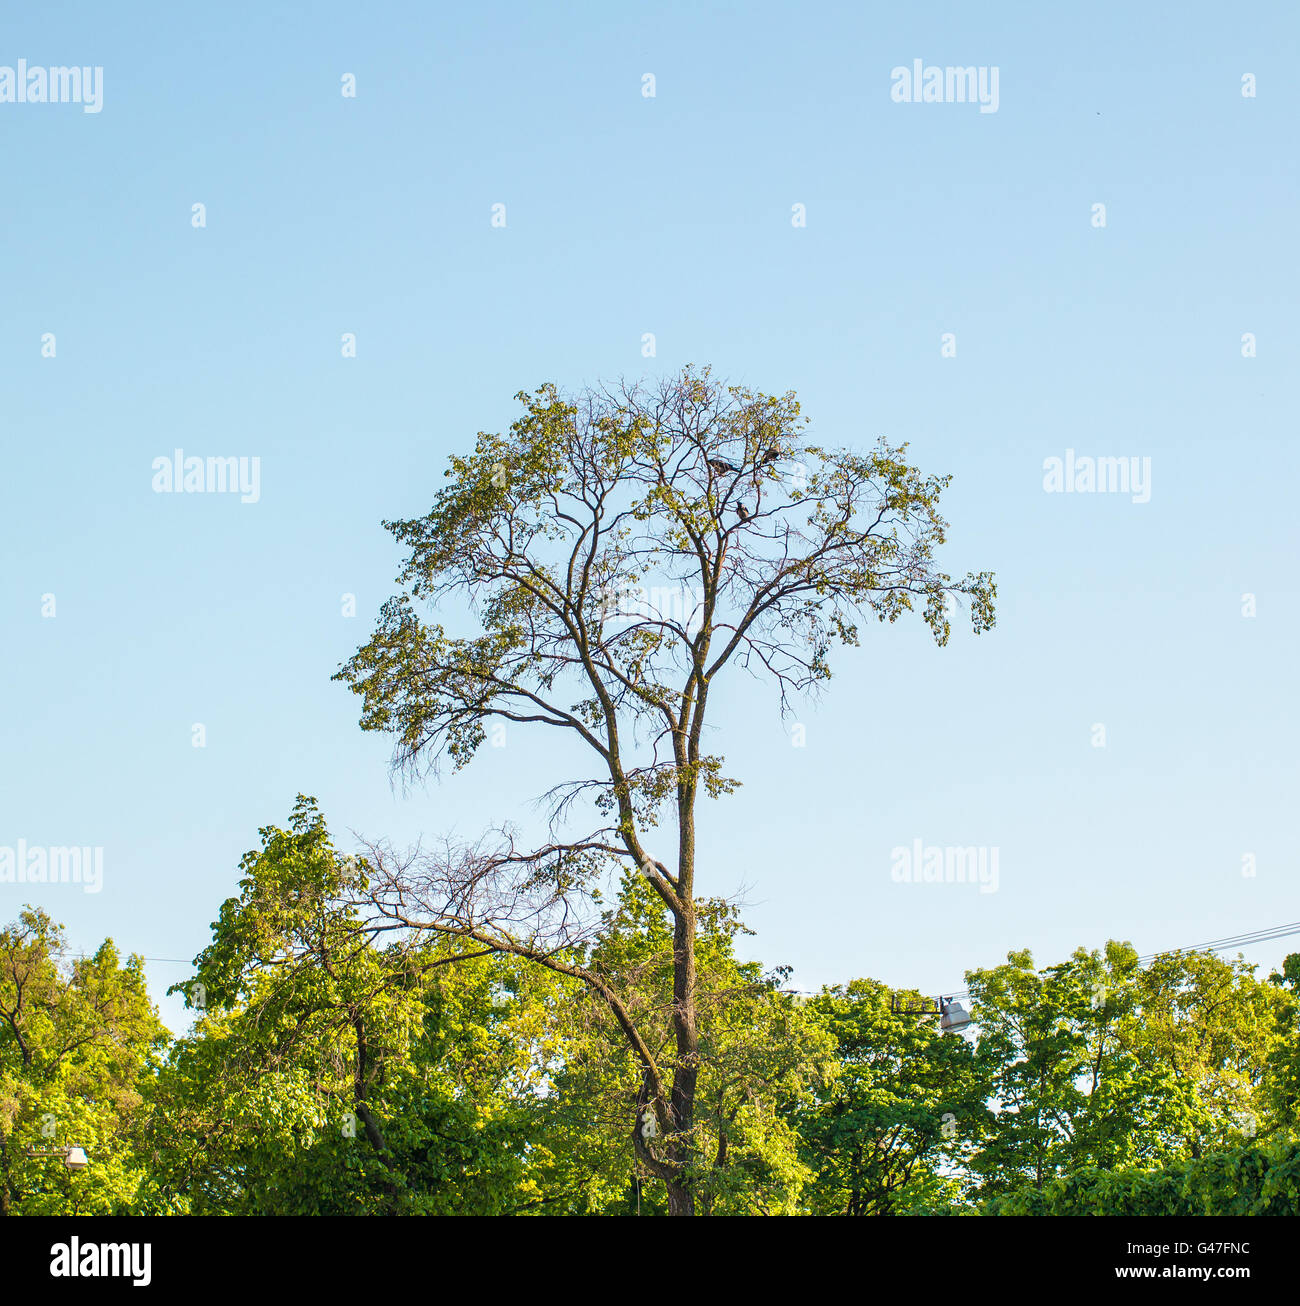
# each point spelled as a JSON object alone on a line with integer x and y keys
{"x": 1214, "y": 945}
{"x": 1232, "y": 941}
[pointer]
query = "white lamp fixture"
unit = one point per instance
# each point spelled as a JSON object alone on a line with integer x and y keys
{"x": 73, "y": 1157}
{"x": 954, "y": 1017}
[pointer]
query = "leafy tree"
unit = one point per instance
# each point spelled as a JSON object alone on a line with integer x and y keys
{"x": 1210, "y": 1023}
{"x": 1043, "y": 1040}
{"x": 884, "y": 1136}
{"x": 759, "y": 1054}
{"x": 776, "y": 549}
{"x": 78, "y": 1044}
{"x": 1102, "y": 1062}
{"x": 330, "y": 1075}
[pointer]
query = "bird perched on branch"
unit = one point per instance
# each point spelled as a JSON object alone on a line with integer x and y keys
{"x": 769, "y": 457}
{"x": 742, "y": 512}
{"x": 719, "y": 466}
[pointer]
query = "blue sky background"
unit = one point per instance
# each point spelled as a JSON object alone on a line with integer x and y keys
{"x": 668, "y": 215}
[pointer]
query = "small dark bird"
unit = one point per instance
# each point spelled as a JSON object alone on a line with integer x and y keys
{"x": 769, "y": 457}
{"x": 742, "y": 512}
{"x": 719, "y": 466}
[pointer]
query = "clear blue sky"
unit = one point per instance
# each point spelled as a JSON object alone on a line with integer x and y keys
{"x": 669, "y": 215}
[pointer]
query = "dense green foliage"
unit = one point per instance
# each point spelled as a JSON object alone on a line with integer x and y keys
{"x": 902, "y": 1110}
{"x": 335, "y": 1068}
{"x": 1262, "y": 1179}
{"x": 1098, "y": 1062}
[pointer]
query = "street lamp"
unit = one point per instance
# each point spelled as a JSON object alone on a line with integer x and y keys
{"x": 954, "y": 1017}
{"x": 73, "y": 1157}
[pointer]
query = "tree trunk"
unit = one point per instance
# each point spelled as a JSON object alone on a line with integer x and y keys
{"x": 685, "y": 1076}
{"x": 680, "y": 1200}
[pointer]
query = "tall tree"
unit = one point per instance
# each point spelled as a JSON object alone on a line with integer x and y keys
{"x": 561, "y": 539}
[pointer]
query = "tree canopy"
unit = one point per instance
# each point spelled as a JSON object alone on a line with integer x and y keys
{"x": 611, "y": 557}
{"x": 331, "y": 1069}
